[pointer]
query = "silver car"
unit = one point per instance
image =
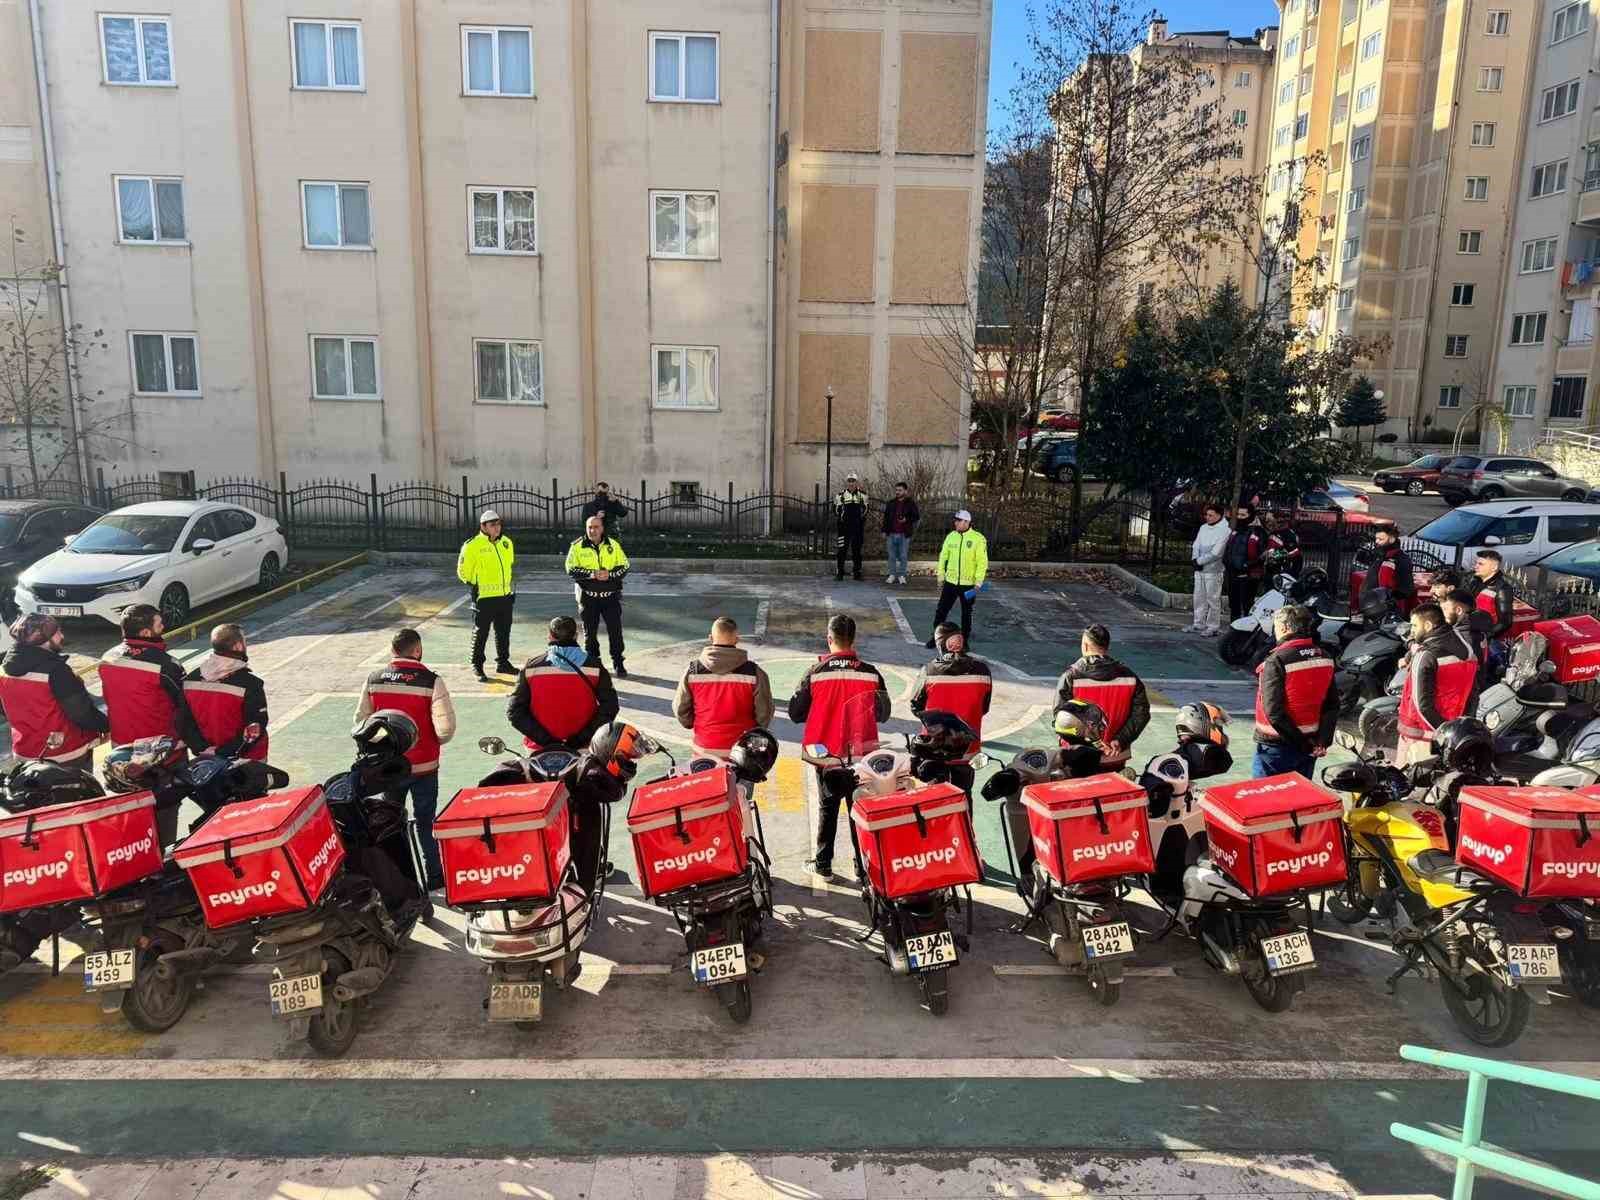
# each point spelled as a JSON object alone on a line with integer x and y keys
{"x": 1498, "y": 477}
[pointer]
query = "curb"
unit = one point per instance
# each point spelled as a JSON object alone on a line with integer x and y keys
{"x": 1146, "y": 589}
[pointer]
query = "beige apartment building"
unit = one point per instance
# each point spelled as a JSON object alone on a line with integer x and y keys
{"x": 1416, "y": 109}
{"x": 507, "y": 239}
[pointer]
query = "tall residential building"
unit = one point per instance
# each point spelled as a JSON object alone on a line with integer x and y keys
{"x": 1414, "y": 107}
{"x": 510, "y": 239}
{"x": 1546, "y": 333}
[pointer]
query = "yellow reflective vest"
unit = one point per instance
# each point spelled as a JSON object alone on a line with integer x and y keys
{"x": 585, "y": 558}
{"x": 485, "y": 566}
{"x": 964, "y": 558}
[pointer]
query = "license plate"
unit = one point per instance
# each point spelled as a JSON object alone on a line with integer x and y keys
{"x": 718, "y": 963}
{"x": 1534, "y": 963}
{"x": 104, "y": 972}
{"x": 61, "y": 610}
{"x": 926, "y": 951}
{"x": 516, "y": 1001}
{"x": 1288, "y": 953}
{"x": 1107, "y": 941}
{"x": 295, "y": 997}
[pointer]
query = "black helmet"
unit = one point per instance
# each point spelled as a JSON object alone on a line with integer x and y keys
{"x": 36, "y": 784}
{"x": 1375, "y": 605}
{"x": 1314, "y": 582}
{"x": 753, "y": 754}
{"x": 1465, "y": 744}
{"x": 387, "y": 731}
{"x": 1203, "y": 722}
{"x": 944, "y": 737}
{"x": 127, "y": 768}
{"x": 1081, "y": 723}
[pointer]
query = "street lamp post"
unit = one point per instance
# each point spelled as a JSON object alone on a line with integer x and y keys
{"x": 1373, "y": 449}
{"x": 827, "y": 467}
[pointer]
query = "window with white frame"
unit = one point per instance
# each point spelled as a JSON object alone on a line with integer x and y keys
{"x": 1311, "y": 39}
{"x": 1538, "y": 255}
{"x": 1307, "y": 79}
{"x": 1477, "y": 187}
{"x": 509, "y": 372}
{"x": 1548, "y": 179}
{"x": 1569, "y": 21}
{"x": 150, "y": 210}
{"x": 337, "y": 215}
{"x": 1242, "y": 79}
{"x": 1302, "y": 125}
{"x": 1341, "y": 107}
{"x": 1483, "y": 133}
{"x": 1280, "y": 136}
{"x": 503, "y": 220}
{"x": 1461, "y": 295}
{"x": 1370, "y": 45}
{"x": 1352, "y": 250}
{"x": 1491, "y": 79}
{"x": 497, "y": 60}
{"x": 1559, "y": 101}
{"x": 344, "y": 368}
{"x": 1455, "y": 345}
{"x": 1347, "y": 299}
{"x": 1286, "y": 92}
{"x": 685, "y": 377}
{"x": 1356, "y": 200}
{"x": 1527, "y": 329}
{"x": 1469, "y": 241}
{"x": 165, "y": 364}
{"x": 683, "y": 224}
{"x": 684, "y": 67}
{"x": 1291, "y": 47}
{"x": 136, "y": 50}
{"x": 1519, "y": 400}
{"x": 1241, "y": 118}
{"x": 1450, "y": 396}
{"x": 1499, "y": 22}
{"x": 1580, "y": 330}
{"x": 1366, "y": 97}
{"x": 1361, "y": 147}
{"x": 327, "y": 54}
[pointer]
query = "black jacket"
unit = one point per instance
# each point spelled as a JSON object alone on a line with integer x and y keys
{"x": 947, "y": 664}
{"x": 1505, "y": 602}
{"x": 65, "y": 686}
{"x": 1273, "y": 701}
{"x": 901, "y": 511}
{"x": 1103, "y": 667}
{"x": 1405, "y": 585}
{"x": 608, "y": 510}
{"x": 851, "y": 509}
{"x": 1244, "y": 550}
{"x": 1445, "y": 642}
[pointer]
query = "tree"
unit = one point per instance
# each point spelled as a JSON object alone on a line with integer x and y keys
{"x": 1360, "y": 406}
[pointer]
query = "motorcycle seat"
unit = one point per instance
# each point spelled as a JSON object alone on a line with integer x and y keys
{"x": 1543, "y": 695}
{"x": 1440, "y": 867}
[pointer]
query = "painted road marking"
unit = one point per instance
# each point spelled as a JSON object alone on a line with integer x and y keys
{"x": 279, "y": 664}
{"x": 422, "y": 626}
{"x": 785, "y": 789}
{"x": 1032, "y": 970}
{"x": 900, "y": 620}
{"x": 763, "y": 611}
{"x": 299, "y": 710}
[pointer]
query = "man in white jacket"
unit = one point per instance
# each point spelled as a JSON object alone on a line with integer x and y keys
{"x": 1209, "y": 544}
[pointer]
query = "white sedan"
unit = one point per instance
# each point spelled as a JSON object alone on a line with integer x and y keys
{"x": 173, "y": 554}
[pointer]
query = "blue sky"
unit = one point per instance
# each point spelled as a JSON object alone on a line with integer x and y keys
{"x": 1011, "y": 32}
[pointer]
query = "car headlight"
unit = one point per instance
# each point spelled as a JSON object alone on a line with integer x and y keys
{"x": 124, "y": 585}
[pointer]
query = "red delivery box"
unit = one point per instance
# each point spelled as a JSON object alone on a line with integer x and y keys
{"x": 77, "y": 851}
{"x": 1538, "y": 841}
{"x": 687, "y": 829}
{"x": 504, "y": 843}
{"x": 1574, "y": 647}
{"x": 1092, "y": 828}
{"x": 260, "y": 858}
{"x": 917, "y": 841}
{"x": 1279, "y": 834}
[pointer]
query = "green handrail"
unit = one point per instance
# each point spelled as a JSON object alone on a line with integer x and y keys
{"x": 1467, "y": 1150}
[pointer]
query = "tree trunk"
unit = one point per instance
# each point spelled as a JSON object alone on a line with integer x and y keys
{"x": 1241, "y": 436}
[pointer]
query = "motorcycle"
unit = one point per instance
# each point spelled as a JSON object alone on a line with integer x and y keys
{"x": 1378, "y": 725}
{"x": 29, "y": 785}
{"x": 1535, "y": 722}
{"x": 1369, "y": 660}
{"x": 1251, "y": 638}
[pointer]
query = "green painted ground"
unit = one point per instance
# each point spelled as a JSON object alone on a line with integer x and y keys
{"x": 648, "y": 621}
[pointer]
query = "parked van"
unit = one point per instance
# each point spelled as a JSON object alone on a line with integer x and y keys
{"x": 1521, "y": 530}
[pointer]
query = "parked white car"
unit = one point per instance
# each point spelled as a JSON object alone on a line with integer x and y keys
{"x": 174, "y": 554}
{"x": 1521, "y": 530}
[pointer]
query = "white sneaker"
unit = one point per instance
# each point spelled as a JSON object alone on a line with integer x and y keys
{"x": 1213, "y": 632}
{"x": 888, "y": 578}
{"x": 904, "y": 581}
{"x": 1193, "y": 629}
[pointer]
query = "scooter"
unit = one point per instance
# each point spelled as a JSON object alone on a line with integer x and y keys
{"x": 1370, "y": 659}
{"x": 1378, "y": 725}
{"x": 1535, "y": 722}
{"x": 1251, "y": 638}
{"x": 28, "y": 785}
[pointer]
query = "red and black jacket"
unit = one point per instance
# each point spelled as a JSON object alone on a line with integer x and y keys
{"x": 557, "y": 704}
{"x": 721, "y": 697}
{"x": 229, "y": 703}
{"x": 1120, "y": 693}
{"x": 1393, "y": 571}
{"x": 1495, "y": 597}
{"x": 408, "y": 686}
{"x": 1440, "y": 683}
{"x": 143, "y": 689}
{"x": 52, "y": 714}
{"x": 1242, "y": 555}
{"x": 958, "y": 684}
{"x": 841, "y": 700}
{"x": 1297, "y": 705}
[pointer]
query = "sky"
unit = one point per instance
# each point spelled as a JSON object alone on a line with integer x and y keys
{"x": 1011, "y": 33}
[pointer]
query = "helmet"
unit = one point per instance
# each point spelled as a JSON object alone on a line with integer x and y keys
{"x": 944, "y": 737}
{"x": 1081, "y": 722}
{"x": 35, "y": 784}
{"x": 387, "y": 731}
{"x": 1375, "y": 605}
{"x": 1202, "y": 722}
{"x": 127, "y": 767}
{"x": 1465, "y": 744}
{"x": 753, "y": 754}
{"x": 618, "y": 747}
{"x": 1314, "y": 581}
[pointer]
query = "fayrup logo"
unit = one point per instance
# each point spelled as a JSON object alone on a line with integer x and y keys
{"x": 921, "y": 860}
{"x": 28, "y": 876}
{"x": 243, "y": 895}
{"x": 1495, "y": 854}
{"x": 487, "y": 875}
{"x": 675, "y": 863}
{"x": 1106, "y": 850}
{"x": 131, "y": 851}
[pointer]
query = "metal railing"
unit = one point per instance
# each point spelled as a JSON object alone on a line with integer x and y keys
{"x": 1571, "y": 438}
{"x": 1468, "y": 1149}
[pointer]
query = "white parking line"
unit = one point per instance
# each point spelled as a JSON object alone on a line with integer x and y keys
{"x": 279, "y": 724}
{"x": 315, "y": 642}
{"x": 763, "y": 610}
{"x": 900, "y": 620}
{"x": 1033, "y": 970}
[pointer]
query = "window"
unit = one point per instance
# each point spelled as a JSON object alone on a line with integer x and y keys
{"x": 1361, "y": 147}
{"x": 496, "y": 60}
{"x": 1286, "y": 92}
{"x": 176, "y": 485}
{"x": 165, "y": 364}
{"x": 1450, "y": 396}
{"x": 1490, "y": 79}
{"x": 336, "y": 216}
{"x": 1241, "y": 118}
{"x": 1512, "y": 531}
{"x": 1566, "y": 397}
{"x": 1563, "y": 530}
{"x": 1366, "y": 97}
{"x": 1455, "y": 345}
{"x": 1280, "y": 136}
{"x": 1477, "y": 187}
{"x": 685, "y": 377}
{"x": 1302, "y": 125}
{"x": 1347, "y": 299}
{"x": 1469, "y": 241}
{"x": 1559, "y": 101}
{"x": 1519, "y": 400}
{"x": 234, "y": 522}
{"x": 683, "y": 66}
{"x": 1499, "y": 22}
{"x": 344, "y": 368}
{"x": 1527, "y": 329}
{"x": 1371, "y": 45}
{"x": 509, "y": 372}
{"x": 1341, "y": 107}
{"x": 1483, "y": 133}
{"x": 685, "y": 493}
{"x": 327, "y": 54}
{"x": 683, "y": 224}
{"x": 136, "y": 50}
{"x": 1292, "y": 47}
{"x": 1356, "y": 200}
{"x": 1538, "y": 255}
{"x": 150, "y": 209}
{"x": 1352, "y": 250}
{"x": 1306, "y": 80}
{"x": 503, "y": 220}
{"x": 1242, "y": 79}
{"x": 1570, "y": 20}
{"x": 1461, "y": 295}
{"x": 1548, "y": 179}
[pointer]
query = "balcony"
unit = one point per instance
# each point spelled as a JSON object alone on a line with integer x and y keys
{"x": 1580, "y": 275}
{"x": 1589, "y": 200}
{"x": 1575, "y": 357}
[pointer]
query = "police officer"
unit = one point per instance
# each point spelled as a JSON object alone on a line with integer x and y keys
{"x": 51, "y": 713}
{"x": 1440, "y": 682}
{"x": 1116, "y": 689}
{"x": 963, "y": 566}
{"x": 1297, "y": 705}
{"x": 484, "y": 565}
{"x": 564, "y": 695}
{"x": 598, "y": 565}
{"x": 955, "y": 682}
{"x": 850, "y": 512}
{"x": 228, "y": 699}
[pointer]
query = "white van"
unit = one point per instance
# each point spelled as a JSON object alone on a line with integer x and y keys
{"x": 1521, "y": 530}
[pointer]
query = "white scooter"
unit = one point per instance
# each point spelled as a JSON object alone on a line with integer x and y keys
{"x": 1250, "y": 637}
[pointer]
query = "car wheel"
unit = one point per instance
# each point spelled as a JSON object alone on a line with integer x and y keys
{"x": 271, "y": 571}
{"x": 1491, "y": 493}
{"x": 1575, "y": 495}
{"x": 1414, "y": 488}
{"x": 1064, "y": 474}
{"x": 175, "y": 605}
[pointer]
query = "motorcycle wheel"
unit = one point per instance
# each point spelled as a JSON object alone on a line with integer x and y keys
{"x": 1580, "y": 970}
{"x": 1488, "y": 1012}
{"x": 736, "y": 999}
{"x": 1349, "y": 905}
{"x": 333, "y": 1027}
{"x": 154, "y": 1004}
{"x": 1275, "y": 993}
{"x": 935, "y": 987}
{"x": 1105, "y": 992}
{"x": 1234, "y": 648}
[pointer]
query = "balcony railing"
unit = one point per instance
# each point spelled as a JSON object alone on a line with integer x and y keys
{"x": 1591, "y": 181}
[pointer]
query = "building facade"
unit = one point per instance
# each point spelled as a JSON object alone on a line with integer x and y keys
{"x": 513, "y": 239}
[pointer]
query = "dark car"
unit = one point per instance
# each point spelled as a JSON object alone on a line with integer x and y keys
{"x": 1056, "y": 457}
{"x": 1415, "y": 477}
{"x": 29, "y": 530}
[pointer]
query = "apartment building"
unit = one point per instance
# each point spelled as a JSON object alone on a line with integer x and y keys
{"x": 1410, "y": 114}
{"x": 510, "y": 239}
{"x": 1546, "y": 331}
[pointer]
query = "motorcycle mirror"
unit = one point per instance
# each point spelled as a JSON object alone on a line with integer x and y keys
{"x": 817, "y": 750}
{"x": 491, "y": 745}
{"x": 1346, "y": 739}
{"x": 980, "y": 761}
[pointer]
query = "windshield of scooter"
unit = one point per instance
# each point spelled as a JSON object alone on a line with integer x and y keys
{"x": 549, "y": 764}
{"x": 1586, "y": 746}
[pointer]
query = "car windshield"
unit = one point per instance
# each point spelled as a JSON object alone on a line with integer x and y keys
{"x": 1429, "y": 462}
{"x": 1581, "y": 559}
{"x": 130, "y": 533}
{"x": 8, "y": 529}
{"x": 1465, "y": 463}
{"x": 1456, "y": 528}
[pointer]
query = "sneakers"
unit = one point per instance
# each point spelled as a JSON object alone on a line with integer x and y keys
{"x": 1213, "y": 632}
{"x": 482, "y": 678}
{"x": 823, "y": 871}
{"x": 1193, "y": 629}
{"x": 890, "y": 578}
{"x": 620, "y": 671}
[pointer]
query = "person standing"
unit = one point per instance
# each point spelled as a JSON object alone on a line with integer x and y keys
{"x": 963, "y": 566}
{"x": 850, "y": 514}
{"x": 1392, "y": 570}
{"x": 228, "y": 699}
{"x": 564, "y": 696}
{"x": 1470, "y": 625}
{"x": 485, "y": 566}
{"x": 598, "y": 565}
{"x": 1282, "y": 538}
{"x": 1210, "y": 542}
{"x": 1440, "y": 682}
{"x": 52, "y": 715}
{"x": 722, "y": 695}
{"x": 955, "y": 682}
{"x": 1297, "y": 705}
{"x": 142, "y": 684}
{"x": 1493, "y": 597}
{"x": 412, "y": 688}
{"x": 900, "y": 517}
{"x": 1115, "y": 688}
{"x": 603, "y": 506}
{"x": 1246, "y": 545}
